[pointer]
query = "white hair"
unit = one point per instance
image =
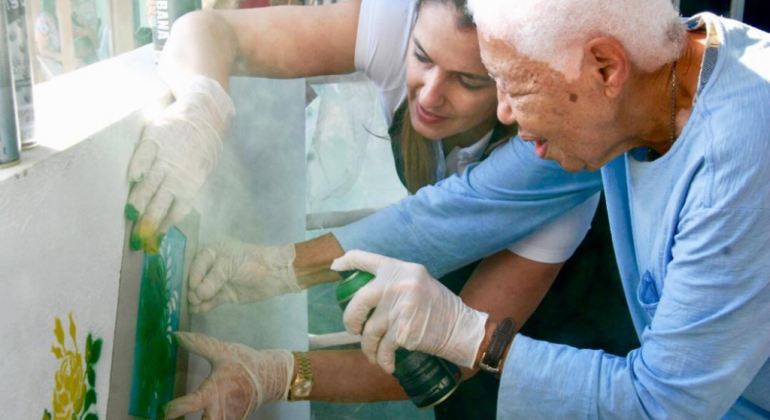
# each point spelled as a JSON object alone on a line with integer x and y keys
{"x": 555, "y": 31}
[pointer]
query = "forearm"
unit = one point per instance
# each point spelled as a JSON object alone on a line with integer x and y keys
{"x": 201, "y": 43}
{"x": 313, "y": 261}
{"x": 272, "y": 42}
{"x": 346, "y": 376}
{"x": 489, "y": 329}
{"x": 507, "y": 285}
{"x": 487, "y": 196}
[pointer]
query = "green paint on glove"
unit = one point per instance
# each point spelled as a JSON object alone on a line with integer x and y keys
{"x": 136, "y": 243}
{"x": 152, "y": 246}
{"x": 132, "y": 213}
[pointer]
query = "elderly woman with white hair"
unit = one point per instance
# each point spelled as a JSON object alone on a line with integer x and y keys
{"x": 677, "y": 117}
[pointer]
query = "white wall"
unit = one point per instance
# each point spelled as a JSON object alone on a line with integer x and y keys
{"x": 62, "y": 227}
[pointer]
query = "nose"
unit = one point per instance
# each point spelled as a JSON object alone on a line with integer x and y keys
{"x": 432, "y": 92}
{"x": 504, "y": 110}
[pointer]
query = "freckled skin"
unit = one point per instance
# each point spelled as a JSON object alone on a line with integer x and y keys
{"x": 579, "y": 134}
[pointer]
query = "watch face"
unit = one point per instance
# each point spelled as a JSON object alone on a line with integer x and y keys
{"x": 302, "y": 388}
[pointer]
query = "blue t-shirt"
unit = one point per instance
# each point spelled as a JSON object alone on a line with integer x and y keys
{"x": 691, "y": 232}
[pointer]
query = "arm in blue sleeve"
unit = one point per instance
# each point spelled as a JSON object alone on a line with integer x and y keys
{"x": 709, "y": 338}
{"x": 463, "y": 219}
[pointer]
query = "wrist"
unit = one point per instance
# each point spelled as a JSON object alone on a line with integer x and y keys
{"x": 301, "y": 386}
{"x": 489, "y": 330}
{"x": 294, "y": 369}
{"x": 291, "y": 375}
{"x": 313, "y": 261}
{"x": 467, "y": 335}
{"x": 497, "y": 342}
{"x": 214, "y": 103}
{"x": 274, "y": 373}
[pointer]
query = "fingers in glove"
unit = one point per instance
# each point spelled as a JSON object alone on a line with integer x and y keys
{"x": 215, "y": 280}
{"x": 178, "y": 211}
{"x": 358, "y": 260}
{"x": 142, "y": 161}
{"x": 204, "y": 346}
{"x": 156, "y": 212}
{"x": 152, "y": 244}
{"x": 374, "y": 330}
{"x": 215, "y": 412}
{"x": 386, "y": 352}
{"x": 224, "y": 296}
{"x": 143, "y": 191}
{"x": 138, "y": 199}
{"x": 200, "y": 267}
{"x": 190, "y": 403}
{"x": 176, "y": 214}
{"x": 358, "y": 310}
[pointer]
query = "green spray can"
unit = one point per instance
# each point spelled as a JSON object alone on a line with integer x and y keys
{"x": 428, "y": 380}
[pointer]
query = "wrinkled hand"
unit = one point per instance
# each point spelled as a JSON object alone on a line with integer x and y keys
{"x": 413, "y": 311}
{"x": 241, "y": 381}
{"x": 233, "y": 271}
{"x": 173, "y": 159}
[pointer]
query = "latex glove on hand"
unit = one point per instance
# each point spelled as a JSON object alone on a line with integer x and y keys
{"x": 242, "y": 379}
{"x": 232, "y": 271}
{"x": 413, "y": 311}
{"x": 177, "y": 152}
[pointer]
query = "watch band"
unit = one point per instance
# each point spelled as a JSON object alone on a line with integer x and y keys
{"x": 490, "y": 360}
{"x": 303, "y": 384}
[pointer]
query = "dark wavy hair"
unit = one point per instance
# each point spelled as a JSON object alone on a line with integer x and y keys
{"x": 417, "y": 156}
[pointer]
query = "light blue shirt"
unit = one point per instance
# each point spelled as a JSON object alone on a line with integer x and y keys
{"x": 691, "y": 232}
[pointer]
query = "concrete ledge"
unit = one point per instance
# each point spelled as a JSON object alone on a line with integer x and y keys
{"x": 75, "y": 106}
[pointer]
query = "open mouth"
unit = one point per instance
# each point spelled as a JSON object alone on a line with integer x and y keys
{"x": 541, "y": 146}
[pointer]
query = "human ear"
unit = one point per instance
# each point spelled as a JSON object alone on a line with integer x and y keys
{"x": 607, "y": 65}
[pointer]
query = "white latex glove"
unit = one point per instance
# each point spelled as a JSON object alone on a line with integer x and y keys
{"x": 232, "y": 271}
{"x": 242, "y": 379}
{"x": 176, "y": 154}
{"x": 414, "y": 311}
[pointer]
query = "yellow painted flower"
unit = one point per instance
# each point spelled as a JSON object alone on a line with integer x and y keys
{"x": 70, "y": 391}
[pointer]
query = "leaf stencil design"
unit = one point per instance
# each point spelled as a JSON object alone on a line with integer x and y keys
{"x": 75, "y": 381}
{"x": 158, "y": 317}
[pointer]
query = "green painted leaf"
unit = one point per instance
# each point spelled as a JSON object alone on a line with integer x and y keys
{"x": 92, "y": 416}
{"x": 90, "y": 400}
{"x": 91, "y": 376}
{"x": 96, "y": 351}
{"x": 46, "y": 415}
{"x": 89, "y": 344}
{"x": 59, "y": 332}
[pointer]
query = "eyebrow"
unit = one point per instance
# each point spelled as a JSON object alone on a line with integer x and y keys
{"x": 422, "y": 50}
{"x": 477, "y": 77}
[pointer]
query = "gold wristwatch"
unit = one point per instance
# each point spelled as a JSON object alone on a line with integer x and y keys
{"x": 302, "y": 386}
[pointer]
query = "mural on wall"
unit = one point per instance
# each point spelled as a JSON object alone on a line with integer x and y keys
{"x": 74, "y": 395}
{"x": 154, "y": 369}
